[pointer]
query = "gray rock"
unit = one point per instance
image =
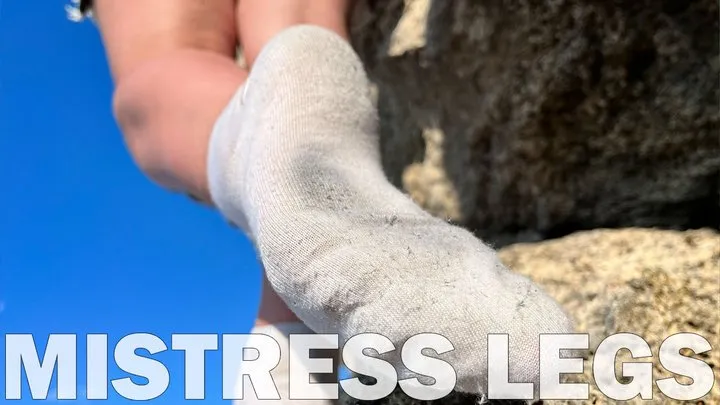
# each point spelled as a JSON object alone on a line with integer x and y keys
{"x": 541, "y": 118}
{"x": 527, "y": 120}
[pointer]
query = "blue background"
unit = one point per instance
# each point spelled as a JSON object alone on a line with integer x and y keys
{"x": 87, "y": 244}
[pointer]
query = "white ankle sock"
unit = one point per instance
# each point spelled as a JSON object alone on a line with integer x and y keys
{"x": 281, "y": 374}
{"x": 294, "y": 160}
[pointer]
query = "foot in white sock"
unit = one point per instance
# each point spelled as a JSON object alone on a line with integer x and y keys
{"x": 294, "y": 158}
{"x": 281, "y": 374}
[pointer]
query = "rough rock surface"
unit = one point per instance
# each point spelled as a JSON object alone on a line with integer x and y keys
{"x": 538, "y": 118}
{"x": 649, "y": 282}
{"x": 653, "y": 283}
{"x": 525, "y": 120}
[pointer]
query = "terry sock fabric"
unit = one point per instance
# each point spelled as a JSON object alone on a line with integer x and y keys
{"x": 294, "y": 160}
{"x": 281, "y": 333}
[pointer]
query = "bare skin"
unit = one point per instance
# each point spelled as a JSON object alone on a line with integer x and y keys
{"x": 173, "y": 63}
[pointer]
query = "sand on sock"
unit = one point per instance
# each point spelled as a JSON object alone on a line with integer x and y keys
{"x": 294, "y": 159}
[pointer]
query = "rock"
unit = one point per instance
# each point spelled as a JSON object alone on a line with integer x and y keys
{"x": 530, "y": 120}
{"x": 547, "y": 117}
{"x": 653, "y": 283}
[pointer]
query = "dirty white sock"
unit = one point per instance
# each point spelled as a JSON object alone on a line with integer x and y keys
{"x": 281, "y": 374}
{"x": 294, "y": 159}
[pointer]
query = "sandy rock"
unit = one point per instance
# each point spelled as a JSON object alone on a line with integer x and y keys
{"x": 529, "y": 120}
{"x": 649, "y": 282}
